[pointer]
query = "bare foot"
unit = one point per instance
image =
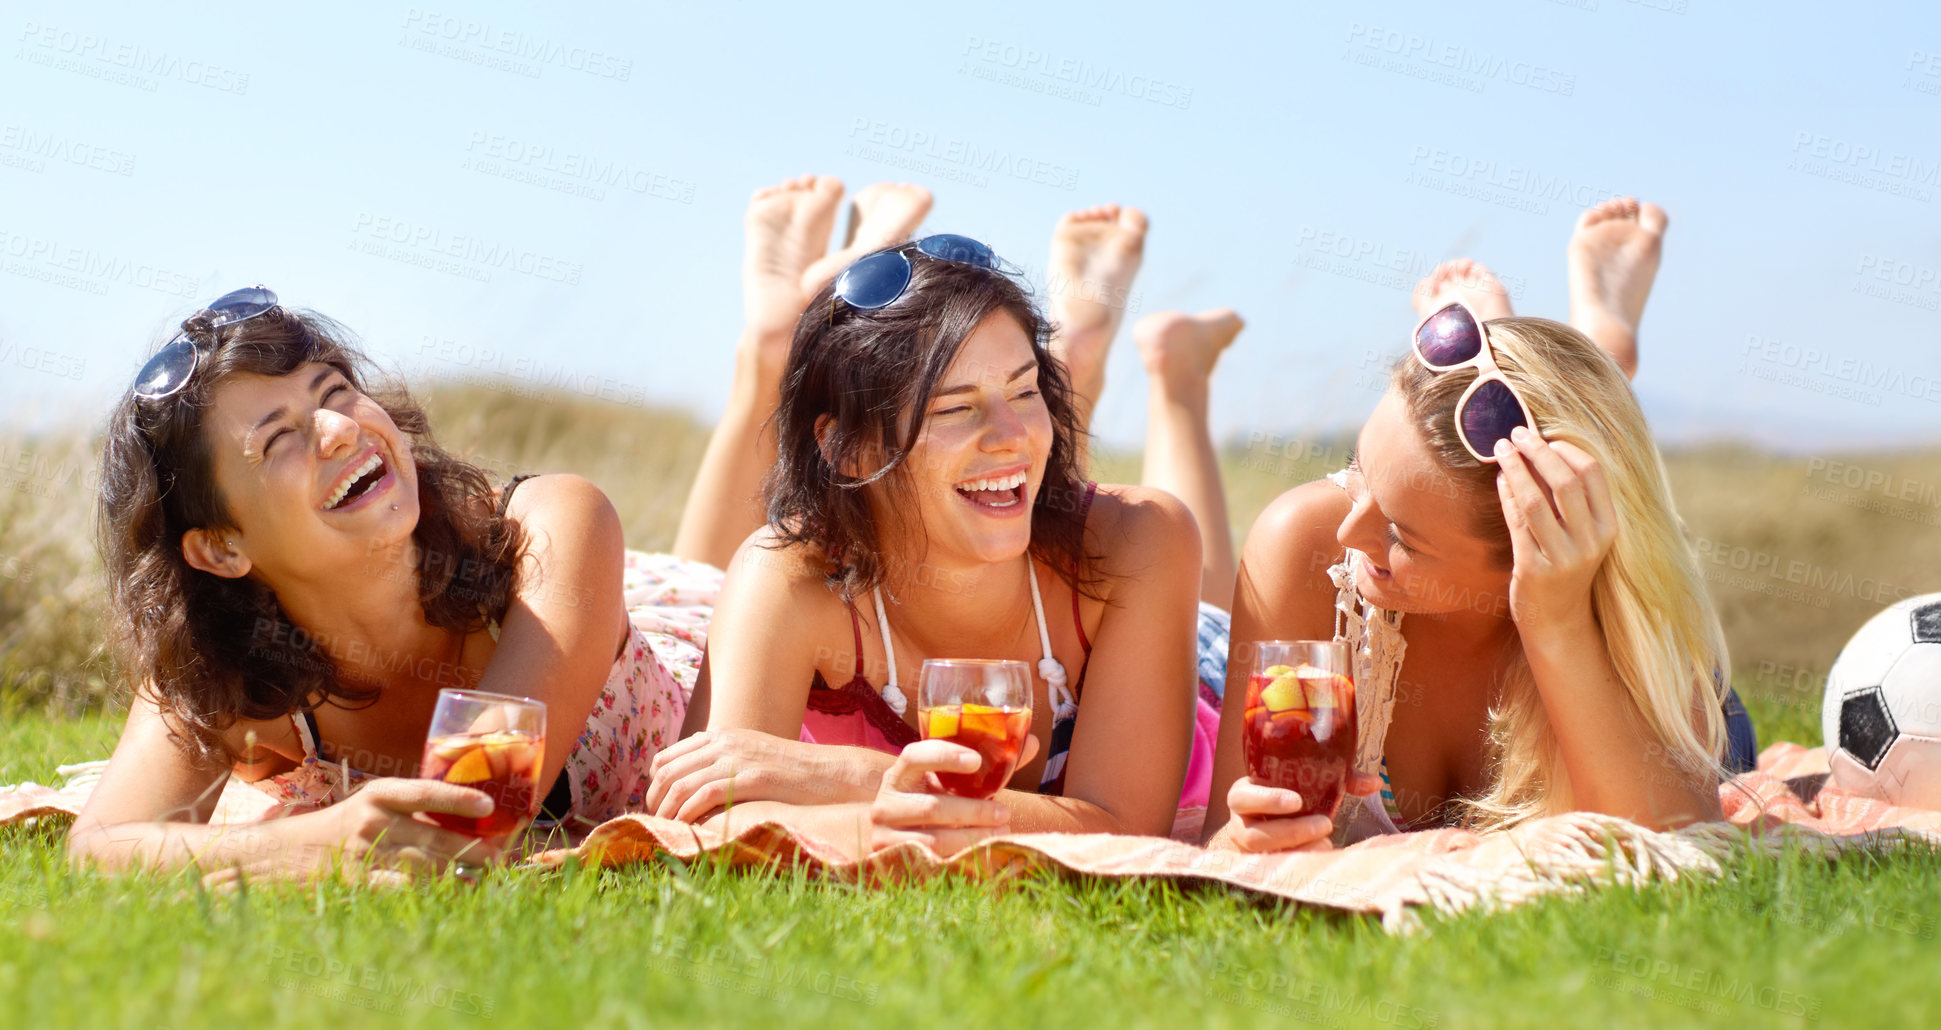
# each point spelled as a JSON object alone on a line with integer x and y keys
{"x": 1180, "y": 350}
{"x": 786, "y": 229}
{"x": 882, "y": 214}
{"x": 1462, "y": 280}
{"x": 1613, "y": 257}
{"x": 1095, "y": 254}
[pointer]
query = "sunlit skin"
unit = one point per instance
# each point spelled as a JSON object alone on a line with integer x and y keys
{"x": 957, "y": 589}
{"x": 988, "y": 420}
{"x": 1469, "y": 615}
{"x": 280, "y": 447}
{"x": 1412, "y": 524}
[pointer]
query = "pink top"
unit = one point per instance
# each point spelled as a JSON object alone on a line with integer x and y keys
{"x": 856, "y": 714}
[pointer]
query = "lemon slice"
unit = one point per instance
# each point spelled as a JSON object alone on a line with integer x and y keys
{"x": 941, "y": 723}
{"x": 1283, "y": 693}
{"x": 1323, "y": 688}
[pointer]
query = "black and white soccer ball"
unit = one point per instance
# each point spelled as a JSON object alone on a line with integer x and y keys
{"x": 1882, "y": 712}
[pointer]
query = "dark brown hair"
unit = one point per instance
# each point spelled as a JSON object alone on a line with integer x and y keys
{"x": 215, "y": 650}
{"x": 871, "y": 373}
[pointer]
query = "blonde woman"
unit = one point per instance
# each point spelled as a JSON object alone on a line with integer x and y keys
{"x": 1531, "y": 632}
{"x": 1506, "y": 540}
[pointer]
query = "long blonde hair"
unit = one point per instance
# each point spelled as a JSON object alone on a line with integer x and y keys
{"x": 1649, "y": 598}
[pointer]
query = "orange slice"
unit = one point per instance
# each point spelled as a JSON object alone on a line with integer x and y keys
{"x": 474, "y": 767}
{"x": 984, "y": 720}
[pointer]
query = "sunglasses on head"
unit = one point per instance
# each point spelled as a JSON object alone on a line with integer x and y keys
{"x": 1454, "y": 338}
{"x": 878, "y": 280}
{"x": 170, "y": 369}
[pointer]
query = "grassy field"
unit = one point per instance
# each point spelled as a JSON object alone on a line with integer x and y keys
{"x": 1796, "y": 557}
{"x": 1784, "y": 942}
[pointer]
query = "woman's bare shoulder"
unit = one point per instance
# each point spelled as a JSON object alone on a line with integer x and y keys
{"x": 1142, "y": 513}
{"x": 773, "y": 560}
{"x": 1302, "y": 522}
{"x": 1284, "y": 589}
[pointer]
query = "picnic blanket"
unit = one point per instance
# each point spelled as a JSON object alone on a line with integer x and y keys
{"x": 1784, "y": 804}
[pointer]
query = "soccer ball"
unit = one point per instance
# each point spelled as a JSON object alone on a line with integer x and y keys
{"x": 1882, "y": 712}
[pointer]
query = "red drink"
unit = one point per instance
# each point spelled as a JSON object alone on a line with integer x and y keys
{"x": 504, "y": 764}
{"x": 1299, "y": 732}
{"x": 995, "y": 733}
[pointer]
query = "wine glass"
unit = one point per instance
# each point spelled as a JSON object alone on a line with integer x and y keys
{"x": 982, "y": 704}
{"x": 1299, "y": 723}
{"x": 493, "y": 743}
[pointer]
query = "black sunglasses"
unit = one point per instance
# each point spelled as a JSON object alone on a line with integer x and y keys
{"x": 877, "y": 280}
{"x": 170, "y": 369}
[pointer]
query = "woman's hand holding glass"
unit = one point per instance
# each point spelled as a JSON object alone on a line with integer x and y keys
{"x": 912, "y": 805}
{"x": 1264, "y": 818}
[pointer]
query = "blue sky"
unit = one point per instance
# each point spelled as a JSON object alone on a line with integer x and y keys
{"x": 526, "y": 196}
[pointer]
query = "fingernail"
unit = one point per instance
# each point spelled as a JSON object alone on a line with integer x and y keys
{"x": 1003, "y": 813}
{"x": 1502, "y": 448}
{"x": 482, "y": 805}
{"x": 1520, "y": 434}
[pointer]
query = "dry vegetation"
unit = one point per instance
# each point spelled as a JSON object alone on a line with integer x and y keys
{"x": 1796, "y": 558}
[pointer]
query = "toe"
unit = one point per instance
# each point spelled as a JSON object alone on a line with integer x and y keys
{"x": 1131, "y": 219}
{"x": 1653, "y": 218}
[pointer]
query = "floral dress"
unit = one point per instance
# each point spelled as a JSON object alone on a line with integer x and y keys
{"x": 639, "y": 710}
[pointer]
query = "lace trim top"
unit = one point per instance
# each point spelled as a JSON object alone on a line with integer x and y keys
{"x": 1375, "y": 640}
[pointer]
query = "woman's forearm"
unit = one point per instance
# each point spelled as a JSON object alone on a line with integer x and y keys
{"x": 1040, "y": 813}
{"x": 1617, "y": 766}
{"x": 166, "y": 847}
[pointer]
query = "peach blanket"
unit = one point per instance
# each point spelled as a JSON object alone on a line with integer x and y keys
{"x": 1779, "y": 806}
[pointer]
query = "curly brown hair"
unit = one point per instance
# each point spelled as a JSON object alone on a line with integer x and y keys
{"x": 195, "y": 639}
{"x": 868, "y": 372}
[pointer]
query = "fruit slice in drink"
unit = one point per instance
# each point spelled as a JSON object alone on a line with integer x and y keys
{"x": 503, "y": 764}
{"x": 1299, "y": 733}
{"x": 995, "y": 733}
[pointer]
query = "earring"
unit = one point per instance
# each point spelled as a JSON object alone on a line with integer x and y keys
{"x": 394, "y": 507}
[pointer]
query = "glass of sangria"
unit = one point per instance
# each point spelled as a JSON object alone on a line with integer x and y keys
{"x": 1299, "y": 728}
{"x": 494, "y": 743}
{"x": 984, "y": 705}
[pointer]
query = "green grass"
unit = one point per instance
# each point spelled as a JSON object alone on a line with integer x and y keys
{"x": 664, "y": 945}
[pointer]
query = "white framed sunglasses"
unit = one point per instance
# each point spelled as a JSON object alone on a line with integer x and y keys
{"x": 1490, "y": 409}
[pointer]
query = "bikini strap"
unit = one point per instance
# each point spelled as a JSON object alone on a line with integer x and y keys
{"x": 306, "y": 724}
{"x": 1063, "y": 704}
{"x": 892, "y": 694}
{"x": 505, "y": 493}
{"x": 307, "y": 735}
{"x": 856, "y": 631}
{"x": 1077, "y": 622}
